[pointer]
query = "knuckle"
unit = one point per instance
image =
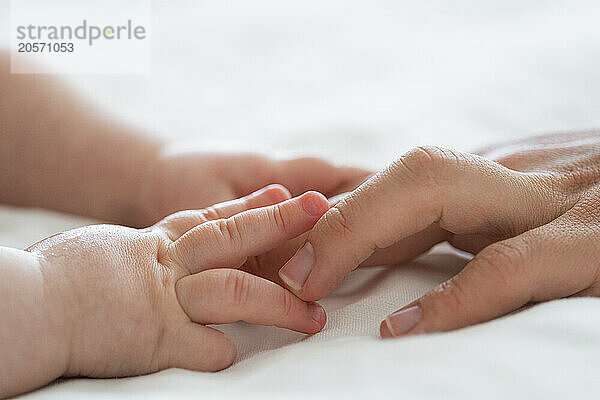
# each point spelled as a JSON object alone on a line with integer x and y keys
{"x": 503, "y": 261}
{"x": 580, "y": 176}
{"x": 586, "y": 210}
{"x": 562, "y": 188}
{"x": 237, "y": 287}
{"x": 176, "y": 225}
{"x": 427, "y": 162}
{"x": 337, "y": 219}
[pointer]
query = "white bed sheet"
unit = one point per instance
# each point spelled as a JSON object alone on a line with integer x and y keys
{"x": 361, "y": 82}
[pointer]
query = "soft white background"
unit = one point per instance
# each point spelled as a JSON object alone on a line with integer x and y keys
{"x": 361, "y": 82}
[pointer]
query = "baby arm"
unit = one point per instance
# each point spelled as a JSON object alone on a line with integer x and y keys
{"x": 32, "y": 349}
{"x": 59, "y": 152}
{"x": 107, "y": 301}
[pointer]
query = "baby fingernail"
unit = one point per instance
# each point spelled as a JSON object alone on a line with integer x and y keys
{"x": 404, "y": 320}
{"x": 295, "y": 272}
{"x": 316, "y": 312}
{"x": 277, "y": 193}
{"x": 314, "y": 204}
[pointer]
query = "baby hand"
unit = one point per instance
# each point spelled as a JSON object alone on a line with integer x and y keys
{"x": 179, "y": 179}
{"x": 133, "y": 301}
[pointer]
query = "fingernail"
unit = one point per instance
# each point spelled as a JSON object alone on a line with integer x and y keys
{"x": 404, "y": 320}
{"x": 316, "y": 312}
{"x": 314, "y": 204}
{"x": 276, "y": 193}
{"x": 295, "y": 272}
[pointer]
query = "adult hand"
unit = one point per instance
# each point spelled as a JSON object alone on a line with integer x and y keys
{"x": 531, "y": 216}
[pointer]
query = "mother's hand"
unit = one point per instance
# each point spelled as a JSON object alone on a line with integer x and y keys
{"x": 532, "y": 217}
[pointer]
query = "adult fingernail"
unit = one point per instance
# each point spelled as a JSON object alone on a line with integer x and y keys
{"x": 317, "y": 313}
{"x": 295, "y": 272}
{"x": 404, "y": 320}
{"x": 314, "y": 204}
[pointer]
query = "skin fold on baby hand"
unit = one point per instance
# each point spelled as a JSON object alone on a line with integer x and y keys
{"x": 108, "y": 300}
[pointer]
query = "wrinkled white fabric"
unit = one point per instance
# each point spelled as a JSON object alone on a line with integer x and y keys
{"x": 361, "y": 82}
